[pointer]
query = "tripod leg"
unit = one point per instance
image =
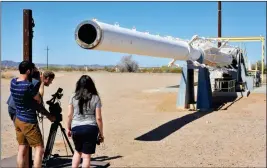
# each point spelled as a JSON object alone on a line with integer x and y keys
{"x": 50, "y": 142}
{"x": 30, "y": 157}
{"x": 65, "y": 136}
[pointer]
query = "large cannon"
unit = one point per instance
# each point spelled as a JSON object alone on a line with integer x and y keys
{"x": 198, "y": 53}
{"x": 96, "y": 35}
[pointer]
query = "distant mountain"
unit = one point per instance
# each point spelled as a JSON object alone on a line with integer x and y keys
{"x": 8, "y": 63}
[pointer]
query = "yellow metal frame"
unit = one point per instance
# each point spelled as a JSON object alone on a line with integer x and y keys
{"x": 247, "y": 39}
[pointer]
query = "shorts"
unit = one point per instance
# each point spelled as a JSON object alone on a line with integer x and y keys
{"x": 28, "y": 134}
{"x": 84, "y": 138}
{"x": 11, "y": 112}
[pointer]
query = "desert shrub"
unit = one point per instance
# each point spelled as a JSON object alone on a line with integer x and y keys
{"x": 56, "y": 69}
{"x": 84, "y": 69}
{"x": 163, "y": 69}
{"x": 68, "y": 69}
{"x": 108, "y": 69}
{"x": 128, "y": 65}
{"x": 51, "y": 68}
{"x": 80, "y": 69}
{"x": 7, "y": 75}
{"x": 91, "y": 69}
{"x": 167, "y": 69}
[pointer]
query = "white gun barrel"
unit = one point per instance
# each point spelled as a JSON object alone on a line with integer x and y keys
{"x": 96, "y": 35}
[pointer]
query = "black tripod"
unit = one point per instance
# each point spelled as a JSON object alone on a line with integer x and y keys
{"x": 51, "y": 141}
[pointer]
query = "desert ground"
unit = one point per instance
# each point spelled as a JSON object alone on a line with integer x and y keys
{"x": 143, "y": 128}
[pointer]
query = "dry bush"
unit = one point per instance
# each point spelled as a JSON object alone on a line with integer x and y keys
{"x": 163, "y": 69}
{"x": 128, "y": 65}
{"x": 109, "y": 69}
{"x": 7, "y": 75}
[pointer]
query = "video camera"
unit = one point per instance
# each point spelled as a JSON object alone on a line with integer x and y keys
{"x": 54, "y": 107}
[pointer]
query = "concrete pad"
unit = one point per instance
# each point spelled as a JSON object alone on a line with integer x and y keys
{"x": 261, "y": 89}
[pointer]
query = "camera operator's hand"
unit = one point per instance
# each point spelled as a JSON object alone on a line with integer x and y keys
{"x": 101, "y": 138}
{"x": 51, "y": 118}
{"x": 69, "y": 133}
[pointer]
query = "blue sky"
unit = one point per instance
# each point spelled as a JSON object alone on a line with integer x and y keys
{"x": 55, "y": 23}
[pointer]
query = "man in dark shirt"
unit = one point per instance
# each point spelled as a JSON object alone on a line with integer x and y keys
{"x": 25, "y": 95}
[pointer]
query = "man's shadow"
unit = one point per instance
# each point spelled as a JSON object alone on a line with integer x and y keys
{"x": 170, "y": 127}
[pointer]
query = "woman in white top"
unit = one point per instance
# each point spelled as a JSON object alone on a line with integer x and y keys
{"x": 85, "y": 121}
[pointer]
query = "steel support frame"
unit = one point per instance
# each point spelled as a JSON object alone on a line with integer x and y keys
{"x": 186, "y": 93}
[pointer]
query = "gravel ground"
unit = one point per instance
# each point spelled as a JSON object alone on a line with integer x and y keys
{"x": 144, "y": 129}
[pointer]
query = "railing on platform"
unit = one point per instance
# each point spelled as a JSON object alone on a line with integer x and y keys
{"x": 224, "y": 85}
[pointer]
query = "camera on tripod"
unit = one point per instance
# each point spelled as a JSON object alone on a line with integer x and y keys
{"x": 55, "y": 110}
{"x": 54, "y": 107}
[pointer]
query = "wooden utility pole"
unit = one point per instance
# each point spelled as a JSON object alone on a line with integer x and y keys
{"x": 219, "y": 22}
{"x": 47, "y": 57}
{"x": 28, "y": 24}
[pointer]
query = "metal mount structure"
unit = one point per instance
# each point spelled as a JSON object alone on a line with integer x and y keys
{"x": 199, "y": 53}
{"x": 247, "y": 39}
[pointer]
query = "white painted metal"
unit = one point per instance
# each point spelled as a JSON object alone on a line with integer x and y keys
{"x": 249, "y": 66}
{"x": 113, "y": 38}
{"x": 214, "y": 56}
